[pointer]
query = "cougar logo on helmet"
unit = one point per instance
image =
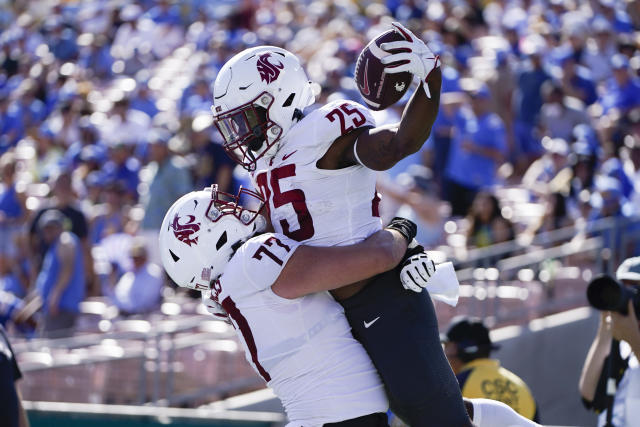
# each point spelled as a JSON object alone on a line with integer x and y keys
{"x": 183, "y": 232}
{"x": 269, "y": 72}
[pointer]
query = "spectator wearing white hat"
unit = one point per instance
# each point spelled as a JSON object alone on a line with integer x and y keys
{"x": 139, "y": 290}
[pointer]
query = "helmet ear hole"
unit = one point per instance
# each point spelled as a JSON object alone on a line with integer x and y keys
{"x": 289, "y": 100}
{"x": 222, "y": 240}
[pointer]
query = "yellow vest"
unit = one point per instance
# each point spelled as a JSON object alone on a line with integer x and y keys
{"x": 485, "y": 378}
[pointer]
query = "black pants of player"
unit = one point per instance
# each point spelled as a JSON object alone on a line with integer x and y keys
{"x": 371, "y": 420}
{"x": 399, "y": 330}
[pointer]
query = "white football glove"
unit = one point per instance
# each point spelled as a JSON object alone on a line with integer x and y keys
{"x": 416, "y": 57}
{"x": 213, "y": 307}
{"x": 416, "y": 272}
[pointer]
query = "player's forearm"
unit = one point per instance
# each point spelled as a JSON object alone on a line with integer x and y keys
{"x": 382, "y": 147}
{"x": 418, "y": 116}
{"x": 315, "y": 269}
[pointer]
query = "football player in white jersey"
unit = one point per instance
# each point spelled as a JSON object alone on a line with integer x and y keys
{"x": 317, "y": 173}
{"x": 273, "y": 289}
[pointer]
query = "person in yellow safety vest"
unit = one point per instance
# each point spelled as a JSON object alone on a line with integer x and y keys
{"x": 468, "y": 347}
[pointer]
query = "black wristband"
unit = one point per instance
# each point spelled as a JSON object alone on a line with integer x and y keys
{"x": 405, "y": 227}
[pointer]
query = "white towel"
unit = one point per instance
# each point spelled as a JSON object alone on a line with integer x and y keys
{"x": 443, "y": 285}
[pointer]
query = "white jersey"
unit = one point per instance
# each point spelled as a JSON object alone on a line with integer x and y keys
{"x": 302, "y": 347}
{"x": 317, "y": 206}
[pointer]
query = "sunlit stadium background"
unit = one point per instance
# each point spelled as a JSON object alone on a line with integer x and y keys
{"x": 94, "y": 95}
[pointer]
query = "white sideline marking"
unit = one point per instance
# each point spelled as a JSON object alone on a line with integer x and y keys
{"x": 536, "y": 325}
{"x": 558, "y": 319}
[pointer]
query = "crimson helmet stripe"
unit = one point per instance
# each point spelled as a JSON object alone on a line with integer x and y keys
{"x": 233, "y": 311}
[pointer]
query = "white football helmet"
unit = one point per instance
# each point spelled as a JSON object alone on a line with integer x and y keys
{"x": 257, "y": 96}
{"x": 200, "y": 233}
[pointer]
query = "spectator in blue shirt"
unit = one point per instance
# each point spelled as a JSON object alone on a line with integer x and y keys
{"x": 528, "y": 101}
{"x": 61, "y": 281}
{"x": 11, "y": 120}
{"x": 618, "y": 17}
{"x": 165, "y": 13}
{"x": 196, "y": 98}
{"x": 608, "y": 202}
{"x": 62, "y": 43}
{"x": 124, "y": 168}
{"x": 613, "y": 168}
{"x": 32, "y": 109}
{"x": 623, "y": 90}
{"x": 96, "y": 58}
{"x": 13, "y": 211}
{"x": 86, "y": 147}
{"x": 109, "y": 216}
{"x": 478, "y": 147}
{"x": 212, "y": 164}
{"x": 576, "y": 80}
{"x": 440, "y": 139}
{"x": 170, "y": 179}
{"x": 144, "y": 101}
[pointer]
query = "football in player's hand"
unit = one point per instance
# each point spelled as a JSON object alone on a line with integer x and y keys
{"x": 380, "y": 90}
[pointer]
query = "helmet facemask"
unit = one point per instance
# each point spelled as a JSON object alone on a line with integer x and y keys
{"x": 248, "y": 132}
{"x": 230, "y": 204}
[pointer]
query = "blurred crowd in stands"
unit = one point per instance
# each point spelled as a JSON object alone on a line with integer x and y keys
{"x": 105, "y": 120}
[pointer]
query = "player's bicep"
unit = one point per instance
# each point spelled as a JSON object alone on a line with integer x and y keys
{"x": 348, "y": 125}
{"x": 375, "y": 148}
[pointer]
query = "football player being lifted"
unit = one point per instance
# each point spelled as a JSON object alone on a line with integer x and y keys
{"x": 317, "y": 174}
{"x": 272, "y": 288}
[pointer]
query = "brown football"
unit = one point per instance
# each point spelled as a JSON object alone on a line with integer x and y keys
{"x": 379, "y": 89}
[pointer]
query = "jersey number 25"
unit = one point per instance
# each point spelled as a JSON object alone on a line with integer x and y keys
{"x": 280, "y": 198}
